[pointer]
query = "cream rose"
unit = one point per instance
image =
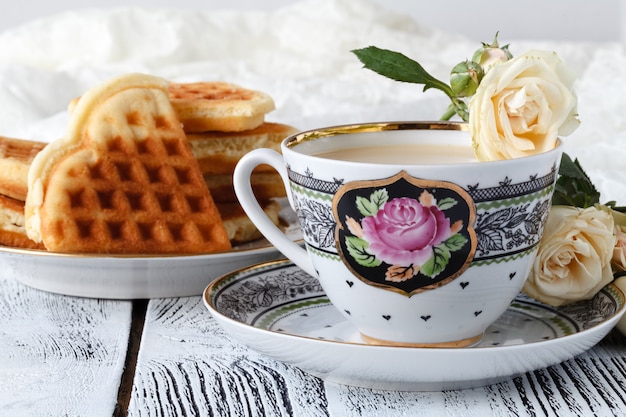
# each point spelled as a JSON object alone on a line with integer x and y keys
{"x": 619, "y": 252}
{"x": 621, "y": 324}
{"x": 574, "y": 258}
{"x": 522, "y": 106}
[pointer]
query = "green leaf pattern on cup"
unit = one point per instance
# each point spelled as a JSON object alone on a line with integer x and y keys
{"x": 369, "y": 207}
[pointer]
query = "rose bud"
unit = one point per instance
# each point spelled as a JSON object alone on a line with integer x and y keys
{"x": 491, "y": 54}
{"x": 465, "y": 77}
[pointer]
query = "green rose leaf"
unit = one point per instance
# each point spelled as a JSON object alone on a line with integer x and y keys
{"x": 399, "y": 67}
{"x": 379, "y": 197}
{"x": 369, "y": 207}
{"x": 446, "y": 203}
{"x": 357, "y": 248}
{"x": 437, "y": 263}
{"x": 574, "y": 187}
{"x": 455, "y": 242}
{"x": 366, "y": 207}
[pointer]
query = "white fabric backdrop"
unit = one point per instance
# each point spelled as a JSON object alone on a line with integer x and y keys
{"x": 529, "y": 19}
{"x": 300, "y": 55}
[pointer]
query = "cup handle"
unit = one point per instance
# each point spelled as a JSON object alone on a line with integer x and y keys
{"x": 249, "y": 203}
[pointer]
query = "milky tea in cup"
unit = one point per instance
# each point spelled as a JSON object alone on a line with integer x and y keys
{"x": 413, "y": 241}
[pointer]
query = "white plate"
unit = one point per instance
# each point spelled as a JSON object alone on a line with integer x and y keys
{"x": 279, "y": 310}
{"x": 131, "y": 277}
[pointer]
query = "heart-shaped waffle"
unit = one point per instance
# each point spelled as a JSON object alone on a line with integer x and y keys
{"x": 123, "y": 178}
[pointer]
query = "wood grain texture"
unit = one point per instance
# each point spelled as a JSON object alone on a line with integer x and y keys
{"x": 592, "y": 384}
{"x": 59, "y": 355}
{"x": 188, "y": 366}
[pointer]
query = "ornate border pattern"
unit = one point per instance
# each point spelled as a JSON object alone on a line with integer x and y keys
{"x": 503, "y": 228}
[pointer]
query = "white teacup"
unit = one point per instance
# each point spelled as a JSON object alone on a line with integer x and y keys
{"x": 412, "y": 239}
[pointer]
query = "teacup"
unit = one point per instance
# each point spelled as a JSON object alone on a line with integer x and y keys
{"x": 411, "y": 238}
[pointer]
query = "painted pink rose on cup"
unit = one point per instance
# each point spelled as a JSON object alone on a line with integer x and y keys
{"x": 397, "y": 234}
{"x": 404, "y": 231}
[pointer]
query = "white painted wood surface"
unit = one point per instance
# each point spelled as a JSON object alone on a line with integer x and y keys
{"x": 59, "y": 356}
{"x": 188, "y": 366}
{"x": 64, "y": 356}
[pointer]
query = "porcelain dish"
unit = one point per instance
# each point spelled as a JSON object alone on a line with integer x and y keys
{"x": 133, "y": 277}
{"x": 281, "y": 311}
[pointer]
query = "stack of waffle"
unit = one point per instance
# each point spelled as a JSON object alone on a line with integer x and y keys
{"x": 15, "y": 159}
{"x": 220, "y": 135}
{"x": 127, "y": 178}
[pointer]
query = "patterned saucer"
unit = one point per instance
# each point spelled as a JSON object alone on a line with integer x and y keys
{"x": 279, "y": 310}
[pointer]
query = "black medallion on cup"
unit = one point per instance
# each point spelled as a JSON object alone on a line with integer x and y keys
{"x": 405, "y": 234}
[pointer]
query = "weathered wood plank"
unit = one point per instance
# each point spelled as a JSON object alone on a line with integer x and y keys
{"x": 591, "y": 384}
{"x": 59, "y": 355}
{"x": 188, "y": 366}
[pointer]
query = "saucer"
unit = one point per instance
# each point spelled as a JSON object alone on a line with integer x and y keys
{"x": 133, "y": 276}
{"x": 279, "y": 310}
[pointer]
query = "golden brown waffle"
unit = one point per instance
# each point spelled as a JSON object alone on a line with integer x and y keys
{"x": 220, "y": 106}
{"x": 219, "y": 152}
{"x": 123, "y": 179}
{"x": 265, "y": 185}
{"x": 15, "y": 158}
{"x": 239, "y": 227}
{"x": 12, "y": 230}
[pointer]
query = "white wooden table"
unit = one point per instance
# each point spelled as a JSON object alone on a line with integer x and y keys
{"x": 68, "y": 356}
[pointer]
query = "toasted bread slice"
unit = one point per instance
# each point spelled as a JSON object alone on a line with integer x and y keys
{"x": 122, "y": 179}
